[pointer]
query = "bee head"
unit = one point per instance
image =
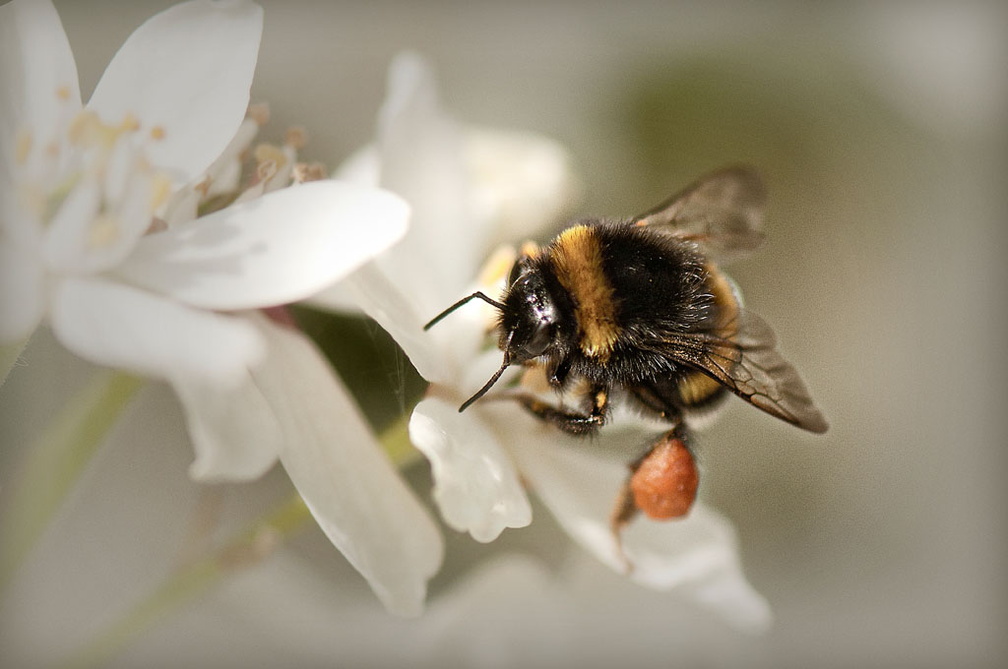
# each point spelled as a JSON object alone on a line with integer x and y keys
{"x": 528, "y": 318}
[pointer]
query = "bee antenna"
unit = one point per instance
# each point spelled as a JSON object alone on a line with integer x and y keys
{"x": 489, "y": 384}
{"x": 478, "y": 294}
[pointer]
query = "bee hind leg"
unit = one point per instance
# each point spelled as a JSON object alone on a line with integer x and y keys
{"x": 662, "y": 484}
{"x": 623, "y": 512}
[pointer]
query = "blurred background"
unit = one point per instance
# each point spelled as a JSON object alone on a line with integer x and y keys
{"x": 880, "y": 128}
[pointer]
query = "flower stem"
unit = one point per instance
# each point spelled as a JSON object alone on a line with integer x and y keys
{"x": 195, "y": 578}
{"x": 9, "y": 356}
{"x": 55, "y": 461}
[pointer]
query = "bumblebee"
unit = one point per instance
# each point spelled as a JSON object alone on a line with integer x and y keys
{"x": 640, "y": 309}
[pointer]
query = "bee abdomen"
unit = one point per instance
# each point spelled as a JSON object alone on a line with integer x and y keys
{"x": 698, "y": 390}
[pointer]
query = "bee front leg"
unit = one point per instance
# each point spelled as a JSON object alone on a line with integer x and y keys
{"x": 662, "y": 483}
{"x": 570, "y": 422}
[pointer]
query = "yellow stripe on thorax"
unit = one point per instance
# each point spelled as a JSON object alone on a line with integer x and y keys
{"x": 577, "y": 259}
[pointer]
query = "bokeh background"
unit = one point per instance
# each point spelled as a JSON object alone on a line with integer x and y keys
{"x": 882, "y": 131}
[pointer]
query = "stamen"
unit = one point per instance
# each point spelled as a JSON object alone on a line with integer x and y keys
{"x": 259, "y": 112}
{"x": 130, "y": 123}
{"x": 269, "y": 153}
{"x": 32, "y": 199}
{"x": 269, "y": 161}
{"x": 530, "y": 249}
{"x": 161, "y": 187}
{"x": 85, "y": 129}
{"x": 63, "y": 93}
{"x": 204, "y": 186}
{"x": 296, "y": 137}
{"x": 266, "y": 171}
{"x": 157, "y": 133}
{"x": 104, "y": 231}
{"x": 305, "y": 172}
{"x": 23, "y": 145}
{"x": 497, "y": 266}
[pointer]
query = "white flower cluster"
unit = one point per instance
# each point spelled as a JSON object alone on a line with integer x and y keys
{"x": 112, "y": 233}
{"x": 100, "y": 237}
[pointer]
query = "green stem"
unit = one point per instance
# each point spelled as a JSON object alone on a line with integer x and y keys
{"x": 194, "y": 579}
{"x": 54, "y": 462}
{"x": 9, "y": 355}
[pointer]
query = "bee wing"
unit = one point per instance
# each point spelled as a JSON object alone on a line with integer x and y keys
{"x": 722, "y": 212}
{"x": 750, "y": 366}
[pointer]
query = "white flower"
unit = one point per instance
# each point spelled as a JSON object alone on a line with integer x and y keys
{"x": 81, "y": 188}
{"x": 99, "y": 237}
{"x": 481, "y": 458}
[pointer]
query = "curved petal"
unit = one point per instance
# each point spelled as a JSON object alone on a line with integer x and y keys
{"x": 276, "y": 249}
{"x": 700, "y": 554}
{"x": 697, "y": 554}
{"x": 522, "y": 182}
{"x": 81, "y": 238}
{"x": 362, "y": 167}
{"x": 187, "y": 72}
{"x": 509, "y": 611}
{"x": 475, "y": 484}
{"x": 38, "y": 77}
{"x": 234, "y": 432}
{"x": 444, "y": 354}
{"x": 421, "y": 156}
{"x": 391, "y": 304}
{"x": 357, "y": 497}
{"x": 120, "y": 326}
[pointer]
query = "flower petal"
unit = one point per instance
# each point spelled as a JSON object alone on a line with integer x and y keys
{"x": 81, "y": 238}
{"x": 276, "y": 249}
{"x": 362, "y": 167}
{"x": 700, "y": 553}
{"x": 120, "y": 326}
{"x": 697, "y": 554}
{"x": 38, "y": 76}
{"x": 185, "y": 72}
{"x": 510, "y": 610}
{"x": 233, "y": 430}
{"x": 357, "y": 497}
{"x": 420, "y": 152}
{"x": 475, "y": 484}
{"x": 522, "y": 182}
{"x": 392, "y": 305}
{"x": 337, "y": 298}
{"x": 452, "y": 353}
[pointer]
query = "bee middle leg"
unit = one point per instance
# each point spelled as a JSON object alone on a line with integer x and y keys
{"x": 571, "y": 422}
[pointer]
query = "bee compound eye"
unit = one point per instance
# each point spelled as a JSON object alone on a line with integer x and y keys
{"x": 542, "y": 335}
